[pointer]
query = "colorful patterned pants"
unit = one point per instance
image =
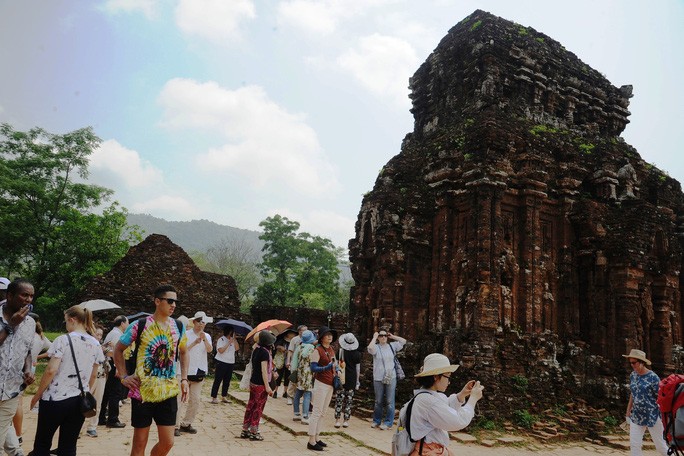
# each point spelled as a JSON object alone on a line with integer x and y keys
{"x": 343, "y": 402}
{"x": 255, "y": 407}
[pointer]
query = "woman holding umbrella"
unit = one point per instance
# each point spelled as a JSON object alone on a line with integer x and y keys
{"x": 226, "y": 347}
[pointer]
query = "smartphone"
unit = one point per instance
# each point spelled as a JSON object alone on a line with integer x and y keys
{"x": 30, "y": 307}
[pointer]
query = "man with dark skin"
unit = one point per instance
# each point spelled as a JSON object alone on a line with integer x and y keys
{"x": 16, "y": 337}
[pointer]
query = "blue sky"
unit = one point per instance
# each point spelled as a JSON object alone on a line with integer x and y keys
{"x": 234, "y": 110}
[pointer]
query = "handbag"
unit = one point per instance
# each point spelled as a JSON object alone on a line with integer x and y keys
{"x": 293, "y": 377}
{"x": 87, "y": 403}
{"x": 198, "y": 377}
{"x": 397, "y": 366}
{"x": 337, "y": 383}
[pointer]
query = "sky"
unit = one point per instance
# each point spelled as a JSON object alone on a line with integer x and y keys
{"x": 236, "y": 110}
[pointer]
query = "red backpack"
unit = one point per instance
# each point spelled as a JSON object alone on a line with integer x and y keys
{"x": 670, "y": 401}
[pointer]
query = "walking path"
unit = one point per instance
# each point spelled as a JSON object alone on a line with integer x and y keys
{"x": 219, "y": 429}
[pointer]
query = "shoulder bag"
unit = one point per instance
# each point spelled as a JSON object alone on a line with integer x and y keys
{"x": 397, "y": 366}
{"x": 87, "y": 403}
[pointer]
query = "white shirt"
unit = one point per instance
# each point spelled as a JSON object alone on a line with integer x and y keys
{"x": 383, "y": 359}
{"x": 434, "y": 415}
{"x": 65, "y": 383}
{"x": 39, "y": 345}
{"x": 227, "y": 356}
{"x": 112, "y": 338}
{"x": 14, "y": 352}
{"x": 198, "y": 353}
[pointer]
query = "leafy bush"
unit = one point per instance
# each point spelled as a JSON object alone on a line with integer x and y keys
{"x": 523, "y": 418}
{"x": 610, "y": 421}
{"x": 520, "y": 382}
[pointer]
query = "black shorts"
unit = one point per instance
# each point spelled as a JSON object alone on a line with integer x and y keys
{"x": 163, "y": 413}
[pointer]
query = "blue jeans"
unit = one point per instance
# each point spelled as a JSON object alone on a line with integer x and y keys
{"x": 384, "y": 395}
{"x": 299, "y": 394}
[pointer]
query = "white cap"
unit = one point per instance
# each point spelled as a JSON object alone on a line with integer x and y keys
{"x": 3, "y": 283}
{"x": 203, "y": 316}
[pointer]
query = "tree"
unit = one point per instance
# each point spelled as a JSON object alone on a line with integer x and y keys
{"x": 49, "y": 229}
{"x": 237, "y": 258}
{"x": 298, "y": 269}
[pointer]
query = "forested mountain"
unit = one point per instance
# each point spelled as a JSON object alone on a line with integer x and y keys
{"x": 197, "y": 235}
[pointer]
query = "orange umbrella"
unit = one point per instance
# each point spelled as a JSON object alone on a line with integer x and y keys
{"x": 275, "y": 326}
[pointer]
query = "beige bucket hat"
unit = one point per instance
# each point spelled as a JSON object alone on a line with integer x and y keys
{"x": 435, "y": 364}
{"x": 637, "y": 354}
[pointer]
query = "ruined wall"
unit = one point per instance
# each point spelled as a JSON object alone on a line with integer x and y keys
{"x": 155, "y": 261}
{"x": 516, "y": 231}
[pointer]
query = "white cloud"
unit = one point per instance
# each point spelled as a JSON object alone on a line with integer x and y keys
{"x": 147, "y": 7}
{"x": 215, "y": 20}
{"x": 114, "y": 162}
{"x": 381, "y": 64}
{"x": 325, "y": 223}
{"x": 266, "y": 144}
{"x": 167, "y": 206}
{"x": 323, "y": 16}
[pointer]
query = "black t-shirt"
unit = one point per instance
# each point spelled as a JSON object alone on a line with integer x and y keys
{"x": 258, "y": 355}
{"x": 351, "y": 359}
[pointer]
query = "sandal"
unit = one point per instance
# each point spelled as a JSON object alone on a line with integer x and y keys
{"x": 245, "y": 434}
{"x": 255, "y": 436}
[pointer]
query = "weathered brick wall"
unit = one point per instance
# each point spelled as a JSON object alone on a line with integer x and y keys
{"x": 516, "y": 231}
{"x": 155, "y": 261}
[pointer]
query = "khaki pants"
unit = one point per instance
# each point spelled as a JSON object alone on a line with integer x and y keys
{"x": 320, "y": 399}
{"x": 98, "y": 392}
{"x": 9, "y": 437}
{"x": 194, "y": 399}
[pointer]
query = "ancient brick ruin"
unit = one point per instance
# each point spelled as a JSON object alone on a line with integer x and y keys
{"x": 516, "y": 231}
{"x": 156, "y": 260}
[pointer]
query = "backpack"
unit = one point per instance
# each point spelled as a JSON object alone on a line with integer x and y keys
{"x": 670, "y": 402}
{"x": 131, "y": 362}
{"x": 402, "y": 443}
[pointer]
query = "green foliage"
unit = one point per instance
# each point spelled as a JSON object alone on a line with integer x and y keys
{"x": 523, "y": 418}
{"x": 49, "y": 228}
{"x": 586, "y": 149}
{"x": 237, "y": 258}
{"x": 560, "y": 410}
{"x": 522, "y": 31}
{"x": 520, "y": 382}
{"x": 297, "y": 267}
{"x": 610, "y": 421}
{"x": 540, "y": 39}
{"x": 467, "y": 156}
{"x": 475, "y": 25}
{"x": 469, "y": 122}
{"x": 541, "y": 129}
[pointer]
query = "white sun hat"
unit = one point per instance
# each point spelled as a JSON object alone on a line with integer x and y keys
{"x": 203, "y": 316}
{"x": 435, "y": 364}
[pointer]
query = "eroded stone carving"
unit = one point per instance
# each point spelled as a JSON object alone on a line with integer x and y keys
{"x": 526, "y": 246}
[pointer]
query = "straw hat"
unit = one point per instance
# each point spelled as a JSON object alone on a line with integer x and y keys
{"x": 348, "y": 342}
{"x": 435, "y": 364}
{"x": 637, "y": 354}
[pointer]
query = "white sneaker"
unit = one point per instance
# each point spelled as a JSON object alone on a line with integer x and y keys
{"x": 338, "y": 424}
{"x": 374, "y": 425}
{"x": 383, "y": 427}
{"x": 296, "y": 418}
{"x": 305, "y": 420}
{"x": 289, "y": 401}
{"x": 345, "y": 424}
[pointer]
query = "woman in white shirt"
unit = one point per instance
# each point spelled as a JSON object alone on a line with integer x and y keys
{"x": 59, "y": 389}
{"x": 434, "y": 414}
{"x": 226, "y": 347}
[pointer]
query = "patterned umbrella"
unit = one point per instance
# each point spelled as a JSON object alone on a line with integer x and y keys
{"x": 275, "y": 326}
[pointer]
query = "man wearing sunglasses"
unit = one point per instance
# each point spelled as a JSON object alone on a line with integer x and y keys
{"x": 159, "y": 342}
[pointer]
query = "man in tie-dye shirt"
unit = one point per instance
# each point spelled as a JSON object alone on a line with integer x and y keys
{"x": 153, "y": 386}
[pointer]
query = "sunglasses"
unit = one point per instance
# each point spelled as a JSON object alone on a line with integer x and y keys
{"x": 171, "y": 301}
{"x": 382, "y": 335}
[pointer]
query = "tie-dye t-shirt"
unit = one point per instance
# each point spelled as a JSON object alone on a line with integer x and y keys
{"x": 155, "y": 365}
